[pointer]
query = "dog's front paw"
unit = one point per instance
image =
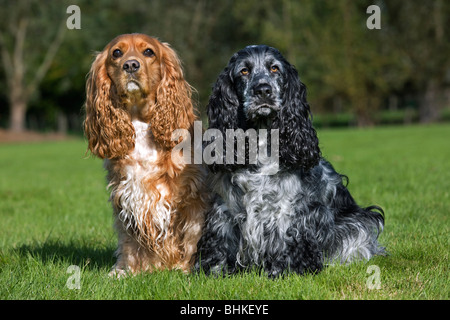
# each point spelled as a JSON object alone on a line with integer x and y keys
{"x": 118, "y": 273}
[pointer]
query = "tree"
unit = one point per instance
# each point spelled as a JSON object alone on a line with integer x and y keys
{"x": 27, "y": 51}
{"x": 328, "y": 43}
{"x": 345, "y": 65}
{"x": 418, "y": 31}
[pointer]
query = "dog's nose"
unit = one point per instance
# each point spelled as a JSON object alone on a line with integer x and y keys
{"x": 263, "y": 90}
{"x": 131, "y": 66}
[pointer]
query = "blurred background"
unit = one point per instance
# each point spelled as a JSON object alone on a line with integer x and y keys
{"x": 399, "y": 74}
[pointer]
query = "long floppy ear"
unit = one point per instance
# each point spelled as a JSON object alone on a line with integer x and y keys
{"x": 107, "y": 127}
{"x": 173, "y": 109}
{"x": 299, "y": 145}
{"x": 224, "y": 113}
{"x": 223, "y": 105}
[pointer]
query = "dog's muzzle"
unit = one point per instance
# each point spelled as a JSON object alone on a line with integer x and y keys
{"x": 263, "y": 103}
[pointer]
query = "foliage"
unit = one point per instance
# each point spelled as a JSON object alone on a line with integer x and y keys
{"x": 346, "y": 66}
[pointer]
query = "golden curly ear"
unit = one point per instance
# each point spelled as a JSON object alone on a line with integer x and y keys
{"x": 173, "y": 109}
{"x": 107, "y": 127}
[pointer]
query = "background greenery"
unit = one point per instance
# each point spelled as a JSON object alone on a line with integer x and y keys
{"x": 54, "y": 213}
{"x": 398, "y": 74}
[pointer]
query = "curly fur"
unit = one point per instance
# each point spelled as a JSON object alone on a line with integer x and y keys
{"x": 298, "y": 219}
{"x": 107, "y": 125}
{"x": 157, "y": 199}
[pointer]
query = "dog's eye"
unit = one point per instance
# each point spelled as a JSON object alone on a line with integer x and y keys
{"x": 274, "y": 69}
{"x": 245, "y": 71}
{"x": 148, "y": 52}
{"x": 117, "y": 53}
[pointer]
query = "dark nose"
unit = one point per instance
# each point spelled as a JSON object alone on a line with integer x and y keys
{"x": 262, "y": 90}
{"x": 131, "y": 66}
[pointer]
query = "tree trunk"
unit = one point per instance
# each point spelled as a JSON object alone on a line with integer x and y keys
{"x": 18, "y": 109}
{"x": 430, "y": 104}
{"x": 365, "y": 108}
{"x": 364, "y": 119}
{"x": 15, "y": 64}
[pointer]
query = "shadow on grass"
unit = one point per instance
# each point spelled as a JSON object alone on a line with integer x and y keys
{"x": 89, "y": 256}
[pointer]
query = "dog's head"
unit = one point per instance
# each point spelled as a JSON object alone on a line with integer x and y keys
{"x": 135, "y": 77}
{"x": 260, "y": 89}
{"x": 258, "y": 75}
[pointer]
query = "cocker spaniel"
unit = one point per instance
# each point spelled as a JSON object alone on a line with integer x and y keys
{"x": 136, "y": 97}
{"x": 298, "y": 218}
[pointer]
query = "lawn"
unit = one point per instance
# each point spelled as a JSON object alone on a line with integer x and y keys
{"x": 55, "y": 214}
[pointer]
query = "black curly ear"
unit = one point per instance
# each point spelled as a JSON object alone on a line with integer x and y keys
{"x": 224, "y": 113}
{"x": 222, "y": 109}
{"x": 299, "y": 145}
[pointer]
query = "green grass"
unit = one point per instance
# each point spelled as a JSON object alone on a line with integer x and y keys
{"x": 54, "y": 213}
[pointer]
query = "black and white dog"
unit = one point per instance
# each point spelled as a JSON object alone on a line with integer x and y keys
{"x": 297, "y": 219}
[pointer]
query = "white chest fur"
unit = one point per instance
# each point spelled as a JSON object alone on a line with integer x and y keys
{"x": 138, "y": 201}
{"x": 145, "y": 148}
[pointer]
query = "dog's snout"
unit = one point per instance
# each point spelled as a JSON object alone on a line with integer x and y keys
{"x": 263, "y": 90}
{"x": 131, "y": 66}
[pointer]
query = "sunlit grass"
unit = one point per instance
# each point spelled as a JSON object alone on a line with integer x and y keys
{"x": 54, "y": 213}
